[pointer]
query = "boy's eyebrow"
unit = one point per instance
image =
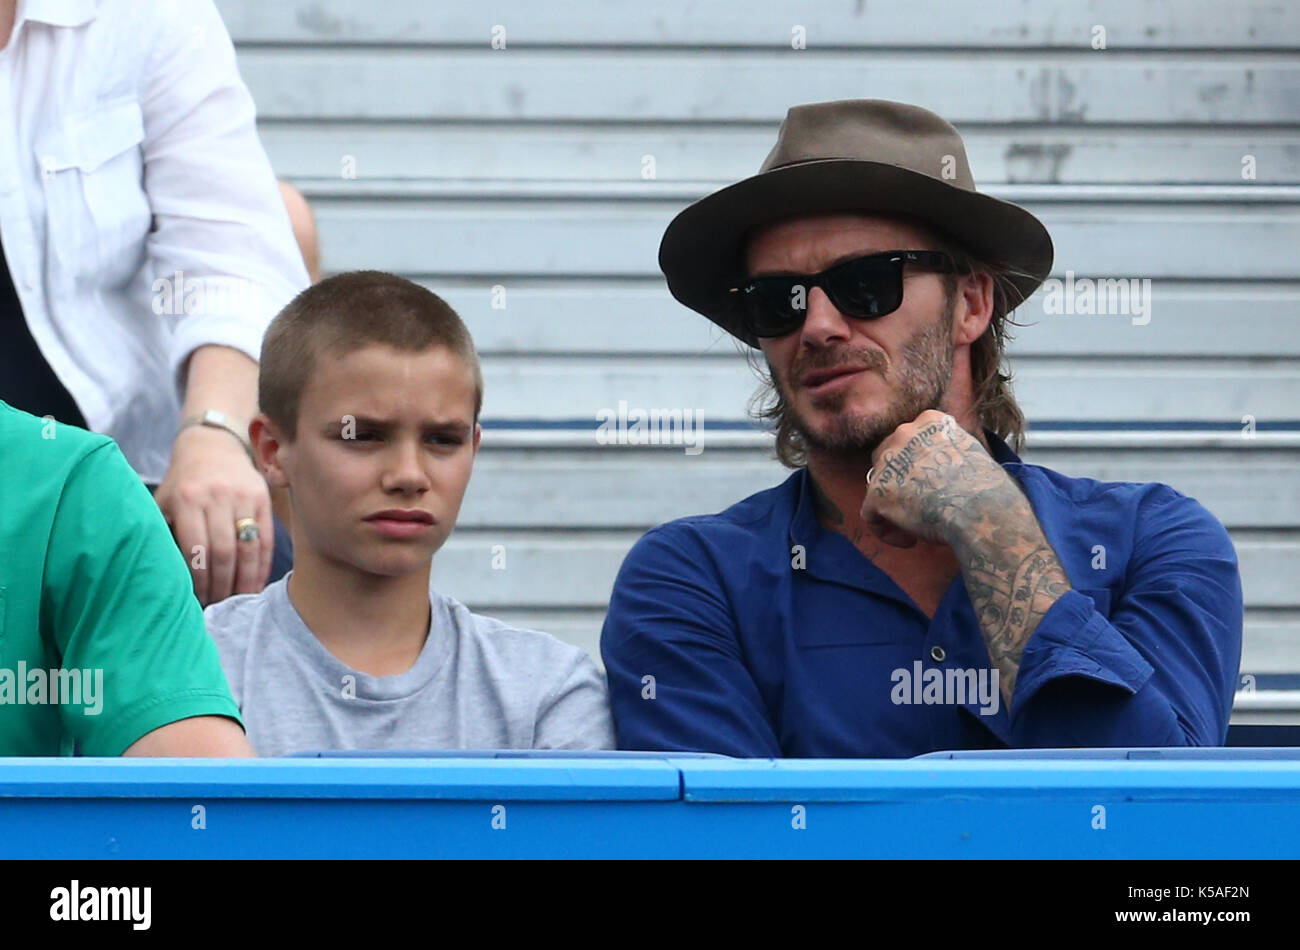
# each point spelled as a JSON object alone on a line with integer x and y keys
{"x": 374, "y": 422}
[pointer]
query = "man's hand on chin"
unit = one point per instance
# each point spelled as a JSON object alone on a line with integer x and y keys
{"x": 930, "y": 479}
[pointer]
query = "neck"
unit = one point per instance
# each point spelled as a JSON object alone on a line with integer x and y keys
{"x": 373, "y": 623}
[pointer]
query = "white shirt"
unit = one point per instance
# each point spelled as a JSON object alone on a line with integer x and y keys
{"x": 138, "y": 211}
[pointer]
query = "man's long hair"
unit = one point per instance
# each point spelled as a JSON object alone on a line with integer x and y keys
{"x": 995, "y": 403}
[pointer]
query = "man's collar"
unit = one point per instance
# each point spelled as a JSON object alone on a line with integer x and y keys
{"x": 57, "y": 12}
{"x": 1000, "y": 451}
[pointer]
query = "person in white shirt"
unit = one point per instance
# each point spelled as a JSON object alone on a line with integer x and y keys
{"x": 147, "y": 249}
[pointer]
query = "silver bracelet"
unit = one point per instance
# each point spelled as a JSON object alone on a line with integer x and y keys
{"x": 216, "y": 419}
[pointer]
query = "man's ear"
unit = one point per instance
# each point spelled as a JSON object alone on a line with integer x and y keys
{"x": 478, "y": 435}
{"x": 973, "y": 308}
{"x": 267, "y": 441}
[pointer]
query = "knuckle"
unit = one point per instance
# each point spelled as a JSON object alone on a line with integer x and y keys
{"x": 221, "y": 557}
{"x": 191, "y": 495}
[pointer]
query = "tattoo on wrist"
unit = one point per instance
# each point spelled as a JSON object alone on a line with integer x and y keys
{"x": 1013, "y": 577}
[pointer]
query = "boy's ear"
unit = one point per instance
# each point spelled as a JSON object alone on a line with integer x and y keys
{"x": 266, "y": 440}
{"x": 478, "y": 435}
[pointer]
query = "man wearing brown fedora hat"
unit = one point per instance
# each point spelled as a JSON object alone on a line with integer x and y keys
{"x": 913, "y": 585}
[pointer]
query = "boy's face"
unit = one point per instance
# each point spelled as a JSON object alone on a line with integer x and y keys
{"x": 383, "y": 453}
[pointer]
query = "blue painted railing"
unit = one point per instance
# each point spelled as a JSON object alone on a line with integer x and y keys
{"x": 1215, "y": 803}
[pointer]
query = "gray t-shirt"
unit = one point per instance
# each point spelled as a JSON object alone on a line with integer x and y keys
{"x": 477, "y": 684}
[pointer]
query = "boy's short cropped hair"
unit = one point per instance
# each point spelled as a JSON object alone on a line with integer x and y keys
{"x": 347, "y": 312}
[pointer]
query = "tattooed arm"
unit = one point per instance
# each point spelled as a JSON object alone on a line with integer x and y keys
{"x": 1011, "y": 572}
{"x": 941, "y": 485}
{"x": 1156, "y": 667}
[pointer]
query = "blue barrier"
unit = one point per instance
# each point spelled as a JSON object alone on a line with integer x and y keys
{"x": 652, "y": 806}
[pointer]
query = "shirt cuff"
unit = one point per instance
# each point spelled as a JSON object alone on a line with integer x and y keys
{"x": 1074, "y": 639}
{"x": 229, "y": 311}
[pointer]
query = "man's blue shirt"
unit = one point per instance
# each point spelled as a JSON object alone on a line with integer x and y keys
{"x": 757, "y": 632}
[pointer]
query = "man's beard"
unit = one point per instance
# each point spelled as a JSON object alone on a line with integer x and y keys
{"x": 918, "y": 383}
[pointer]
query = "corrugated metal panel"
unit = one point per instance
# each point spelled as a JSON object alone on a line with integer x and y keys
{"x": 556, "y": 569}
{"x": 522, "y": 168}
{"x": 913, "y": 24}
{"x": 618, "y": 236}
{"x": 491, "y": 150}
{"x": 625, "y": 488}
{"x": 606, "y": 84}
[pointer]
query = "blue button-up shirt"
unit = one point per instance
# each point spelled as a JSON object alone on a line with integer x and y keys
{"x": 757, "y": 632}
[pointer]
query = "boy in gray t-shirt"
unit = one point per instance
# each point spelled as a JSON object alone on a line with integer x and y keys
{"x": 477, "y": 684}
{"x": 370, "y": 392}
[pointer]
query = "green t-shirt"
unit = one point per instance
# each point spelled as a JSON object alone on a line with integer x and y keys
{"x": 101, "y": 637}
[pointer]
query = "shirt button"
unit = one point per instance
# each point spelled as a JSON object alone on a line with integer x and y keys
{"x": 937, "y": 654}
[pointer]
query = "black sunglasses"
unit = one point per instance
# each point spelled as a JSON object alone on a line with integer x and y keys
{"x": 864, "y": 288}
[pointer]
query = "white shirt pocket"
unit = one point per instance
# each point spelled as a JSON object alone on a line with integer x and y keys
{"x": 97, "y": 212}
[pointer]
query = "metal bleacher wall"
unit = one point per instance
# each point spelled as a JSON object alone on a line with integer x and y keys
{"x": 549, "y": 168}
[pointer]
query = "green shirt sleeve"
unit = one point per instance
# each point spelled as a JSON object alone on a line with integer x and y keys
{"x": 124, "y": 611}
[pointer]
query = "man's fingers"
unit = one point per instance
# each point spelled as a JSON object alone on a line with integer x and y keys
{"x": 221, "y": 550}
{"x": 883, "y": 528}
{"x": 254, "y": 557}
{"x": 890, "y": 533}
{"x": 191, "y": 531}
{"x": 248, "y": 554}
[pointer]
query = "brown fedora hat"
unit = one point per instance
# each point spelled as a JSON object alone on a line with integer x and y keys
{"x": 867, "y": 155}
